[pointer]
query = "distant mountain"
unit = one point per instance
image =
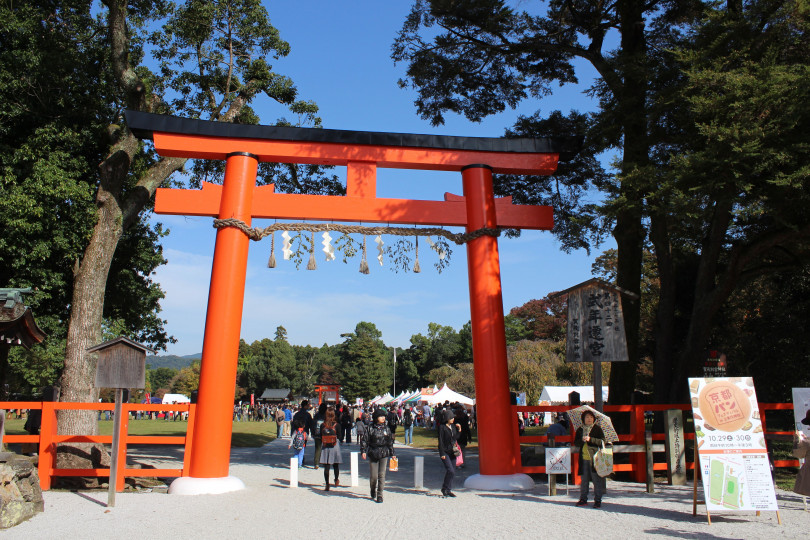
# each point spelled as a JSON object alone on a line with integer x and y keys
{"x": 172, "y": 361}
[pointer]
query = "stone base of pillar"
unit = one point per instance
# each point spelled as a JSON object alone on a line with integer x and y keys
{"x": 500, "y": 482}
{"x": 205, "y": 486}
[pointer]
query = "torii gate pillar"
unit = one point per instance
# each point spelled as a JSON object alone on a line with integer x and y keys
{"x": 209, "y": 462}
{"x": 498, "y": 457}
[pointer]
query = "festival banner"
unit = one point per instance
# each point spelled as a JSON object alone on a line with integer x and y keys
{"x": 731, "y": 445}
{"x": 801, "y": 408}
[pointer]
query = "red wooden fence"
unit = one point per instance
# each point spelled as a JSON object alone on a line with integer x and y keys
{"x": 637, "y": 467}
{"x": 48, "y": 438}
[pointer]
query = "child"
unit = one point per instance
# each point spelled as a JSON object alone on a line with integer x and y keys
{"x": 298, "y": 442}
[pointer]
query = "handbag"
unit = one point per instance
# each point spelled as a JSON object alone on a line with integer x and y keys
{"x": 456, "y": 450}
{"x": 459, "y": 460}
{"x": 603, "y": 460}
{"x": 393, "y": 464}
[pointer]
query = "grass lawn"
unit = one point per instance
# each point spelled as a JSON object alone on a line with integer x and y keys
{"x": 245, "y": 434}
{"x": 428, "y": 438}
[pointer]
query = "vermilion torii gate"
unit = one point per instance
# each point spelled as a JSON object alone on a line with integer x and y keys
{"x": 243, "y": 147}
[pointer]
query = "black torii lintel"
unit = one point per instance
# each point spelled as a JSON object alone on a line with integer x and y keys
{"x": 143, "y": 125}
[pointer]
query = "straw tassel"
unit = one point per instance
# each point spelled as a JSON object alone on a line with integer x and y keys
{"x": 312, "y": 265}
{"x": 272, "y": 262}
{"x": 364, "y": 269}
{"x": 416, "y": 267}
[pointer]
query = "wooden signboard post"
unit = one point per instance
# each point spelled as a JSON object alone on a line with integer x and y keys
{"x": 676, "y": 450}
{"x": 121, "y": 365}
{"x": 595, "y": 328}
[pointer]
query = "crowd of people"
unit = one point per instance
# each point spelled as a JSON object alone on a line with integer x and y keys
{"x": 374, "y": 430}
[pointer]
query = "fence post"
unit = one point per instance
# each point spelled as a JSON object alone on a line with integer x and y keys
{"x": 574, "y": 462}
{"x": 47, "y": 448}
{"x": 120, "y": 482}
{"x": 192, "y": 409}
{"x": 419, "y": 472}
{"x": 650, "y": 470}
{"x": 552, "y": 478}
{"x": 637, "y": 428}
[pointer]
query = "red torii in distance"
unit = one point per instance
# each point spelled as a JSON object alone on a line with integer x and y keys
{"x": 243, "y": 147}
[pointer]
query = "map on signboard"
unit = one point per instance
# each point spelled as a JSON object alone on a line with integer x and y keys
{"x": 732, "y": 451}
{"x": 595, "y": 324}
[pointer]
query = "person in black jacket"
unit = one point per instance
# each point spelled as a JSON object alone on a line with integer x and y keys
{"x": 448, "y": 435}
{"x": 377, "y": 445}
{"x": 465, "y": 435}
{"x": 305, "y": 419}
{"x": 392, "y": 420}
{"x": 589, "y": 439}
{"x": 346, "y": 424}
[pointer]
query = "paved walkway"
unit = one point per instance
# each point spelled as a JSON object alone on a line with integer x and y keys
{"x": 268, "y": 508}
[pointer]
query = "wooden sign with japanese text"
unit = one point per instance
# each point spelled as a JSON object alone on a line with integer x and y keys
{"x": 731, "y": 445}
{"x": 595, "y": 326}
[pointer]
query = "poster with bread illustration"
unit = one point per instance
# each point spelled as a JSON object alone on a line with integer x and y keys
{"x": 731, "y": 444}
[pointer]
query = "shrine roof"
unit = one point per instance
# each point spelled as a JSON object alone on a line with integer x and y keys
{"x": 143, "y": 125}
{"x": 18, "y": 327}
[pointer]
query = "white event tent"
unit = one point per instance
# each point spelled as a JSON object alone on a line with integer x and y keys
{"x": 446, "y": 394}
{"x": 558, "y": 395}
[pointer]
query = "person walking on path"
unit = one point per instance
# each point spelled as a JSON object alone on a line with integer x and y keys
{"x": 392, "y": 420}
{"x": 346, "y": 424}
{"x": 287, "y": 420}
{"x": 298, "y": 442}
{"x": 360, "y": 428}
{"x": 407, "y": 423}
{"x": 330, "y": 443}
{"x": 279, "y": 422}
{"x": 465, "y": 435}
{"x": 801, "y": 450}
{"x": 305, "y": 419}
{"x": 318, "y": 421}
{"x": 377, "y": 445}
{"x": 448, "y": 435}
{"x": 589, "y": 439}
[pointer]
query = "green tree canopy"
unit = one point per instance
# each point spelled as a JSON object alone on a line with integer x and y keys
{"x": 366, "y": 364}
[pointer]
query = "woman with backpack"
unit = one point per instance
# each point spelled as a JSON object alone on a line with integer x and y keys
{"x": 407, "y": 423}
{"x": 330, "y": 447}
{"x": 377, "y": 445}
{"x": 298, "y": 442}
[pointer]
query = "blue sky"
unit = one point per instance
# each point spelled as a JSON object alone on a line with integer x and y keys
{"x": 340, "y": 58}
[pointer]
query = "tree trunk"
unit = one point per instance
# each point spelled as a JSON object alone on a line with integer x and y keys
{"x": 629, "y": 231}
{"x": 664, "y": 331}
{"x": 87, "y": 307}
{"x": 4, "y": 350}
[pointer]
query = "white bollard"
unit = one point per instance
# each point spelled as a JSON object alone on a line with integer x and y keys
{"x": 293, "y": 472}
{"x": 419, "y": 472}
{"x": 355, "y": 469}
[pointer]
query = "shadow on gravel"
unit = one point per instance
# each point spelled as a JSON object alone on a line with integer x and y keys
{"x": 672, "y": 533}
{"x": 619, "y": 508}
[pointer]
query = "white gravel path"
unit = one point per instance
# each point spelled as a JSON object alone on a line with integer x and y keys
{"x": 268, "y": 508}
